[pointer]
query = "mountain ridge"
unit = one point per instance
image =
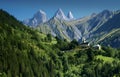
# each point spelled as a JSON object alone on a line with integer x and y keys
{"x": 89, "y": 27}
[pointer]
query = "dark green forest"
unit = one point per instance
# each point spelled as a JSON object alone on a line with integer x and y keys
{"x": 25, "y": 52}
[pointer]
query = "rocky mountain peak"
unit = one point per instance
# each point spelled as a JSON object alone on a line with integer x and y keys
{"x": 60, "y": 14}
{"x": 70, "y": 15}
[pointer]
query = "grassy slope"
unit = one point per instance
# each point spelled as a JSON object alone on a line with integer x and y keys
{"x": 22, "y": 49}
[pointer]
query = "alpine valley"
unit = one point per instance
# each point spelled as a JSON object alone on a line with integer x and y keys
{"x": 50, "y": 48}
{"x": 102, "y": 28}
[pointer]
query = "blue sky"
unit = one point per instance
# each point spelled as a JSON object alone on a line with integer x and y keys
{"x": 23, "y": 9}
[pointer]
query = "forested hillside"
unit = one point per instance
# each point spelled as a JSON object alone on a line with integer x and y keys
{"x": 25, "y": 52}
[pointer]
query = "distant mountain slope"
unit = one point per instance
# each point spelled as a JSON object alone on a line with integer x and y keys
{"x": 110, "y": 29}
{"x": 93, "y": 22}
{"x": 60, "y": 28}
{"x": 112, "y": 23}
{"x": 111, "y": 39}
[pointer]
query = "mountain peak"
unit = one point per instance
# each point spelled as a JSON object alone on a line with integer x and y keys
{"x": 106, "y": 12}
{"x": 38, "y": 18}
{"x": 41, "y": 12}
{"x": 93, "y": 14}
{"x": 70, "y": 15}
{"x": 60, "y": 14}
{"x": 59, "y": 10}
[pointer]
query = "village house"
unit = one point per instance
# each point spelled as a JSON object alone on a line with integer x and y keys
{"x": 84, "y": 43}
{"x": 98, "y": 47}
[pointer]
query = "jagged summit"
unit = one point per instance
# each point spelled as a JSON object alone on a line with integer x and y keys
{"x": 93, "y": 14}
{"x": 105, "y": 13}
{"x": 70, "y": 15}
{"x": 60, "y": 14}
{"x": 39, "y": 17}
{"x": 42, "y": 12}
